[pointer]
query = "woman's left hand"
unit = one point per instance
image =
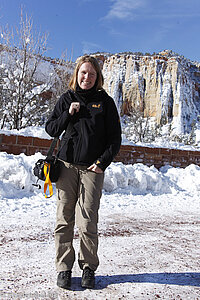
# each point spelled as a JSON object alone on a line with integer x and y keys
{"x": 95, "y": 168}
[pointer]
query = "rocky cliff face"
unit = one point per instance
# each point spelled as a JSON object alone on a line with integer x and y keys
{"x": 165, "y": 87}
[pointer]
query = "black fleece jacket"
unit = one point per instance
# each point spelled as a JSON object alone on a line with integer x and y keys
{"x": 95, "y": 131}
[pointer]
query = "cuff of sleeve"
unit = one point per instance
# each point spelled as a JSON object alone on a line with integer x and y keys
{"x": 100, "y": 165}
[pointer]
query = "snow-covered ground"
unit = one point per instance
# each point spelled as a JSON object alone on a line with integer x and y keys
{"x": 148, "y": 232}
{"x": 149, "y": 238}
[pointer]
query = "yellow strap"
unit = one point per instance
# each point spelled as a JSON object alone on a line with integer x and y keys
{"x": 47, "y": 181}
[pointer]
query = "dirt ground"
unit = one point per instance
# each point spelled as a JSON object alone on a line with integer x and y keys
{"x": 141, "y": 257}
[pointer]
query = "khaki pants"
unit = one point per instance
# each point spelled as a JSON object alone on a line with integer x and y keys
{"x": 78, "y": 197}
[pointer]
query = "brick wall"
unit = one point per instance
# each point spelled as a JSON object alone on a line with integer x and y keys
{"x": 158, "y": 156}
{"x": 16, "y": 144}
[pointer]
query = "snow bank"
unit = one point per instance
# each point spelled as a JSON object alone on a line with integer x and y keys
{"x": 34, "y": 131}
{"x": 139, "y": 178}
{"x": 16, "y": 177}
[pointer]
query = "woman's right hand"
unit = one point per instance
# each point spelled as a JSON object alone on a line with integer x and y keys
{"x": 74, "y": 107}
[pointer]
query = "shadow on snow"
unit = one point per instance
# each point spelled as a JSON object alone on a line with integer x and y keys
{"x": 187, "y": 279}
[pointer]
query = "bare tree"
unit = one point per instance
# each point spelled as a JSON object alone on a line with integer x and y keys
{"x": 22, "y": 69}
{"x": 64, "y": 68}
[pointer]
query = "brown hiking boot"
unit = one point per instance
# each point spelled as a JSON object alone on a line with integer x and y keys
{"x": 88, "y": 279}
{"x": 64, "y": 279}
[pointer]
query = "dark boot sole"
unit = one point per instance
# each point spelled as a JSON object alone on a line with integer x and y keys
{"x": 87, "y": 286}
{"x": 66, "y": 287}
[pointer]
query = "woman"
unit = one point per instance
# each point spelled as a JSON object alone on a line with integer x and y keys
{"x": 92, "y": 137}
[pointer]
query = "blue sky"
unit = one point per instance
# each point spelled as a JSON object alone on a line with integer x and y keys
{"x": 88, "y": 26}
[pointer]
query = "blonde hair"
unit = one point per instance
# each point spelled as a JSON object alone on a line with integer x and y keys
{"x": 96, "y": 66}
